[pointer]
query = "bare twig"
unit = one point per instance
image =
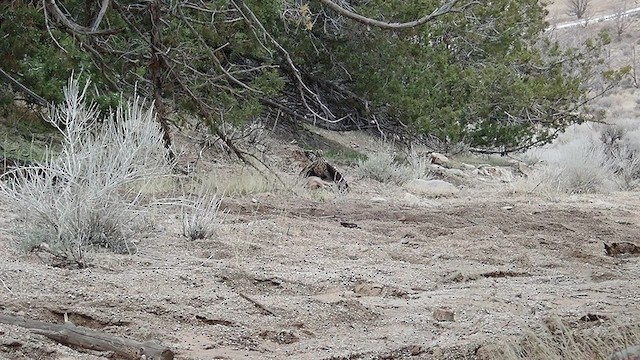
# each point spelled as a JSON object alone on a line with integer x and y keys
{"x": 98, "y": 19}
{"x": 213, "y": 56}
{"x": 446, "y": 8}
{"x": 252, "y": 20}
{"x": 37, "y": 98}
{"x": 6, "y": 287}
{"x": 257, "y": 304}
{"x": 75, "y": 27}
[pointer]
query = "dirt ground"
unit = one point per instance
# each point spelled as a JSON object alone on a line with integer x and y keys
{"x": 284, "y": 279}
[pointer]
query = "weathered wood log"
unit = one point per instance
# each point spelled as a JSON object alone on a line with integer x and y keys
{"x": 69, "y": 334}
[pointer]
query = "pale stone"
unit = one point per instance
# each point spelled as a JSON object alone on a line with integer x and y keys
{"x": 431, "y": 187}
{"x": 456, "y": 173}
{"x": 438, "y": 159}
{"x": 411, "y": 199}
{"x": 443, "y": 315}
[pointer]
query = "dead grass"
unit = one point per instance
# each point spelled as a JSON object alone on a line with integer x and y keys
{"x": 558, "y": 340}
{"x": 247, "y": 181}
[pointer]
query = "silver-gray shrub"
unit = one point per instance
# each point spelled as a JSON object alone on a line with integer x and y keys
{"x": 86, "y": 195}
{"x": 621, "y": 144}
{"x": 202, "y": 217}
{"x": 385, "y": 168}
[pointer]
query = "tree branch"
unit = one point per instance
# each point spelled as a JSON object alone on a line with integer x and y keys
{"x": 304, "y": 90}
{"x": 98, "y": 19}
{"x": 75, "y": 27}
{"x": 444, "y": 9}
{"x": 37, "y": 98}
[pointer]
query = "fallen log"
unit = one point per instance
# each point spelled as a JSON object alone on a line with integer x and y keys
{"x": 69, "y": 334}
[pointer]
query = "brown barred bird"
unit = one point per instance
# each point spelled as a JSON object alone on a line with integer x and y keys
{"x": 319, "y": 167}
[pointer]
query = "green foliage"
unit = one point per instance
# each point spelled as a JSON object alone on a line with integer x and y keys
{"x": 30, "y": 53}
{"x": 487, "y": 80}
{"x": 485, "y": 77}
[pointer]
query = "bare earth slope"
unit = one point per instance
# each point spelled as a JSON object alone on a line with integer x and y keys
{"x": 283, "y": 279}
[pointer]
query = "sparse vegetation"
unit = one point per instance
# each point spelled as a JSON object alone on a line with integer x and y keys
{"x": 384, "y": 167}
{"x": 345, "y": 156}
{"x": 559, "y": 340}
{"x": 621, "y": 145}
{"x": 81, "y": 197}
{"x": 388, "y": 167}
{"x": 578, "y": 8}
{"x": 201, "y": 218}
{"x": 577, "y": 167}
{"x": 245, "y": 182}
{"x": 589, "y": 160}
{"x": 622, "y": 20}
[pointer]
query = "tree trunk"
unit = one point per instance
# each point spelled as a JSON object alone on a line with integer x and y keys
{"x": 156, "y": 66}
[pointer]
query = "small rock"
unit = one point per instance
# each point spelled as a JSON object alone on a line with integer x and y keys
{"x": 431, "y": 187}
{"x": 443, "y": 315}
{"x": 520, "y": 167}
{"x": 369, "y": 289}
{"x": 499, "y": 173}
{"x": 621, "y": 248}
{"x": 439, "y": 159}
{"x": 489, "y": 351}
{"x": 411, "y": 199}
{"x": 378, "y": 199}
{"x": 417, "y": 350}
{"x": 436, "y": 168}
{"x": 456, "y": 173}
{"x": 508, "y": 207}
{"x": 488, "y": 170}
{"x": 454, "y": 277}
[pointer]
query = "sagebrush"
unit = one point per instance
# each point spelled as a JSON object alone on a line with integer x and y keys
{"x": 388, "y": 167}
{"x": 86, "y": 195}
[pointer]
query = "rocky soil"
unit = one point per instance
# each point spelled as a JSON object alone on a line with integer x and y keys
{"x": 368, "y": 275}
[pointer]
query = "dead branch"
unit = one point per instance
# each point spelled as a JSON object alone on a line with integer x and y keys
{"x": 37, "y": 98}
{"x": 69, "y": 334}
{"x": 578, "y": 8}
{"x": 213, "y": 57}
{"x": 157, "y": 66}
{"x": 103, "y": 10}
{"x": 446, "y": 8}
{"x": 257, "y": 304}
{"x": 53, "y": 8}
{"x": 304, "y": 90}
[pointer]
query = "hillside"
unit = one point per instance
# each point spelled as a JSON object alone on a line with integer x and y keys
{"x": 380, "y": 272}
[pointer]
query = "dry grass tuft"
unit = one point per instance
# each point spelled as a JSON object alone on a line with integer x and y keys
{"x": 202, "y": 217}
{"x": 245, "y": 182}
{"x": 588, "y": 160}
{"x": 557, "y": 340}
{"x": 388, "y": 168}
